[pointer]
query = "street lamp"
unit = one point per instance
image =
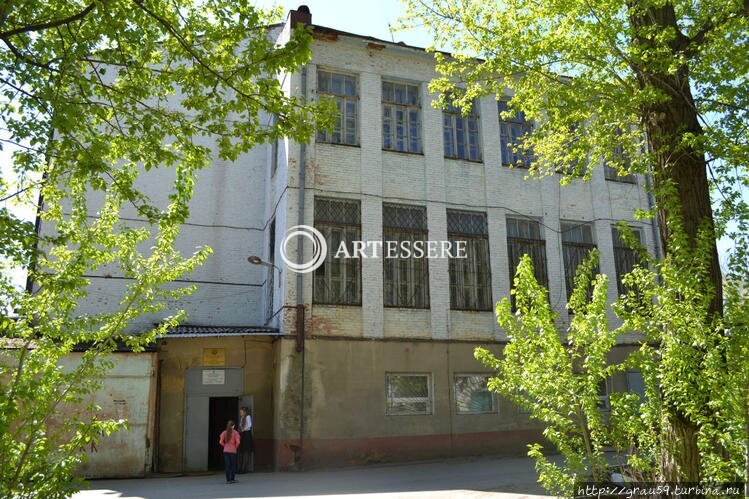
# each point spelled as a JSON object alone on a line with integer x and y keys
{"x": 256, "y": 260}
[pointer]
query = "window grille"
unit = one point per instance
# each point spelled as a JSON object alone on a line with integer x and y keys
{"x": 401, "y": 117}
{"x": 524, "y": 237}
{"x": 338, "y": 280}
{"x": 408, "y": 394}
{"x": 461, "y": 133}
{"x": 577, "y": 243}
{"x": 342, "y": 89}
{"x": 470, "y": 277}
{"x": 405, "y": 280}
{"x": 625, "y": 258}
{"x": 472, "y": 395}
{"x": 512, "y": 132}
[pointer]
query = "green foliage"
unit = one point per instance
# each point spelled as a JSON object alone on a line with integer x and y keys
{"x": 590, "y": 77}
{"x": 94, "y": 94}
{"x": 689, "y": 365}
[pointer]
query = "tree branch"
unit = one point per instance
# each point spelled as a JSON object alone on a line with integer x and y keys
{"x": 49, "y": 24}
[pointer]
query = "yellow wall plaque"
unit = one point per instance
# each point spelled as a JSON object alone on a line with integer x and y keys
{"x": 214, "y": 356}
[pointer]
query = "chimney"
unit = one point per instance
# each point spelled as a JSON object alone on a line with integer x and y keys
{"x": 301, "y": 15}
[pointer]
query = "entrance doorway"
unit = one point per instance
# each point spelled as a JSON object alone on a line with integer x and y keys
{"x": 220, "y": 411}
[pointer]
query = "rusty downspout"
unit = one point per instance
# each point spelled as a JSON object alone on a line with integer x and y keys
{"x": 300, "y": 333}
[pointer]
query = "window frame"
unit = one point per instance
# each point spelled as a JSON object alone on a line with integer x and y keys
{"x": 454, "y": 114}
{"x": 429, "y": 399}
{"x": 326, "y": 137}
{"x": 569, "y": 277}
{"x": 407, "y": 108}
{"x": 621, "y": 252}
{"x": 494, "y": 399}
{"x": 472, "y": 241}
{"x": 506, "y": 128}
{"x": 403, "y": 234}
{"x": 604, "y": 401}
{"x": 617, "y": 153}
{"x": 540, "y": 243}
{"x": 326, "y": 228}
{"x": 643, "y": 396}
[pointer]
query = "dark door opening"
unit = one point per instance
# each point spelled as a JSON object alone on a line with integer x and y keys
{"x": 220, "y": 410}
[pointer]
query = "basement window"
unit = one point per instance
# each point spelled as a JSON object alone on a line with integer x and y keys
{"x": 472, "y": 395}
{"x": 409, "y": 394}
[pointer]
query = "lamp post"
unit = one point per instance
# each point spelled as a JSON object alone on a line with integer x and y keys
{"x": 256, "y": 260}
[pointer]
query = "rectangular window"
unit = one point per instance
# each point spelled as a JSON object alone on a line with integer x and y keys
{"x": 408, "y": 394}
{"x": 619, "y": 157}
{"x": 461, "y": 133}
{"x": 512, "y": 132}
{"x": 343, "y": 90}
{"x": 470, "y": 277}
{"x": 401, "y": 117}
{"x": 274, "y": 149}
{"x": 405, "y": 280}
{"x": 577, "y": 243}
{"x": 524, "y": 237}
{"x": 338, "y": 280}
{"x": 636, "y": 384}
{"x": 625, "y": 258}
{"x": 472, "y": 395}
{"x": 604, "y": 393}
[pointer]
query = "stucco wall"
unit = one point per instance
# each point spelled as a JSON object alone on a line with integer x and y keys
{"x": 254, "y": 354}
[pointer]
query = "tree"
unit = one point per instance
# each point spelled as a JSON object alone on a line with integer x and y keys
{"x": 648, "y": 85}
{"x": 94, "y": 94}
{"x": 556, "y": 378}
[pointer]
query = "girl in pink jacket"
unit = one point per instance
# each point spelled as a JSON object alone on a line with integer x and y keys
{"x": 229, "y": 440}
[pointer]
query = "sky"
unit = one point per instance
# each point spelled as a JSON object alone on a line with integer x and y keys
{"x": 372, "y": 18}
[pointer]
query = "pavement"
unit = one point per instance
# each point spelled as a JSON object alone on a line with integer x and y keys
{"x": 455, "y": 478}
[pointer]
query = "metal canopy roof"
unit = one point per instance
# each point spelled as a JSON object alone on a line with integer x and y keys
{"x": 189, "y": 331}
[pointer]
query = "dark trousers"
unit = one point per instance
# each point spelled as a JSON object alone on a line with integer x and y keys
{"x": 246, "y": 447}
{"x": 230, "y": 463}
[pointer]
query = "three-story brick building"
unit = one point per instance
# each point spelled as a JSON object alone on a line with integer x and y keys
{"x": 370, "y": 359}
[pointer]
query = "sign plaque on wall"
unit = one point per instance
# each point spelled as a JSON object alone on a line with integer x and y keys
{"x": 214, "y": 376}
{"x": 214, "y": 356}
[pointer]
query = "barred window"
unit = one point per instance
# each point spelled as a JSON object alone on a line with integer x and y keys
{"x": 401, "y": 117}
{"x": 625, "y": 258}
{"x": 461, "y": 133}
{"x": 338, "y": 280}
{"x": 409, "y": 394}
{"x": 524, "y": 237}
{"x": 405, "y": 280}
{"x": 342, "y": 89}
{"x": 470, "y": 277}
{"x": 512, "y": 131}
{"x": 472, "y": 395}
{"x": 577, "y": 243}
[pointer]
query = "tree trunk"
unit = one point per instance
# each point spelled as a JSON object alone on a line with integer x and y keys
{"x": 677, "y": 164}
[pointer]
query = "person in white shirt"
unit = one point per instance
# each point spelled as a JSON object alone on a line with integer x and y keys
{"x": 247, "y": 445}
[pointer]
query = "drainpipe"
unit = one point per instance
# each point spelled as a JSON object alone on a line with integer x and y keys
{"x": 299, "y": 277}
{"x": 654, "y": 225}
